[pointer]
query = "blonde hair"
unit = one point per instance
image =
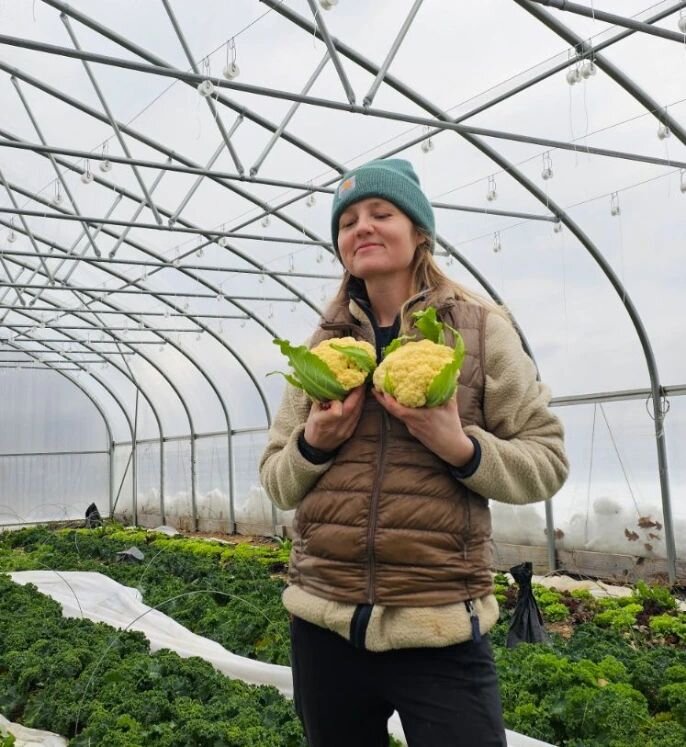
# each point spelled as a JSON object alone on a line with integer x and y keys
{"x": 428, "y": 276}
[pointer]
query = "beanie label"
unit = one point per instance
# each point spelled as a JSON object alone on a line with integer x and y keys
{"x": 346, "y": 185}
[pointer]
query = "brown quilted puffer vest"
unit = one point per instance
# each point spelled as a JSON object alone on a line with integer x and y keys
{"x": 387, "y": 523}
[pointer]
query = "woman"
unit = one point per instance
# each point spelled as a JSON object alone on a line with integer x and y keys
{"x": 390, "y": 590}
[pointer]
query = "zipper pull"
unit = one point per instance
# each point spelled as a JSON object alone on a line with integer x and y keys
{"x": 474, "y": 620}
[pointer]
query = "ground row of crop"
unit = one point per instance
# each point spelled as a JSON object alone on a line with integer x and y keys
{"x": 613, "y": 675}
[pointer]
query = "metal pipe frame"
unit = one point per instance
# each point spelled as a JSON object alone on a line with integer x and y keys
{"x": 99, "y": 329}
{"x": 333, "y": 53}
{"x": 23, "y": 221}
{"x": 37, "y": 367}
{"x": 512, "y": 91}
{"x": 133, "y": 457}
{"x": 213, "y": 109}
{"x": 74, "y": 246}
{"x": 55, "y": 4}
{"x": 20, "y": 298}
{"x": 103, "y": 102}
{"x": 212, "y": 385}
{"x": 125, "y": 232}
{"x": 103, "y": 356}
{"x": 196, "y": 184}
{"x": 43, "y": 360}
{"x": 52, "y": 160}
{"x": 395, "y": 46}
{"x": 24, "y": 338}
{"x": 65, "y": 310}
{"x": 167, "y": 166}
{"x": 147, "y": 141}
{"x": 572, "y": 400}
{"x": 103, "y": 384}
{"x": 139, "y": 291}
{"x": 144, "y": 54}
{"x": 202, "y": 371}
{"x": 585, "y": 241}
{"x": 202, "y": 281}
{"x": 127, "y": 374}
{"x": 165, "y": 265}
{"x": 444, "y": 125}
{"x": 55, "y": 453}
{"x": 108, "y": 430}
{"x": 211, "y": 234}
{"x": 634, "y": 90}
{"x": 627, "y": 394}
{"x": 488, "y": 287}
{"x": 613, "y": 18}
{"x": 289, "y": 115}
{"x": 230, "y": 458}
{"x": 219, "y": 97}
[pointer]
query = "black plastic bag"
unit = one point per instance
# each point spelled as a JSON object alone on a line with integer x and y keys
{"x": 93, "y": 518}
{"x": 527, "y": 621}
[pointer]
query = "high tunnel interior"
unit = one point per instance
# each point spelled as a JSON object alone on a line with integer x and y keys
{"x": 166, "y": 182}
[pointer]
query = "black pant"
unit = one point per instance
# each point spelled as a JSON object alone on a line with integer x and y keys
{"x": 445, "y": 697}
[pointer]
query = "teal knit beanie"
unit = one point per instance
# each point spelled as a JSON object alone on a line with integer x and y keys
{"x": 392, "y": 179}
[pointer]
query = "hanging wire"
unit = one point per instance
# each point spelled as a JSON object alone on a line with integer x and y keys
{"x": 619, "y": 457}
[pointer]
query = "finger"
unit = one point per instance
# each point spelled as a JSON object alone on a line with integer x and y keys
{"x": 354, "y": 400}
{"x": 357, "y": 394}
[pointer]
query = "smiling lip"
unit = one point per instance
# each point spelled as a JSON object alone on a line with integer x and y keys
{"x": 366, "y": 246}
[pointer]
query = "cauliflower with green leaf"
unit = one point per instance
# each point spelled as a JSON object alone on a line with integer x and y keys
{"x": 421, "y": 373}
{"x": 330, "y": 369}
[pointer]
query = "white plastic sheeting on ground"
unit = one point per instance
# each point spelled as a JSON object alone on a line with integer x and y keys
{"x": 101, "y": 599}
{"x": 30, "y": 737}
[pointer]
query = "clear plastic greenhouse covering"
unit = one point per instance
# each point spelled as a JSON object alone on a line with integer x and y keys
{"x": 166, "y": 173}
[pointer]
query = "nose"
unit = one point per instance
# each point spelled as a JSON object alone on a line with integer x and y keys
{"x": 364, "y": 224}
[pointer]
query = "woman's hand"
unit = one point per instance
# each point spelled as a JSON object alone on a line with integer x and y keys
{"x": 329, "y": 424}
{"x": 438, "y": 428}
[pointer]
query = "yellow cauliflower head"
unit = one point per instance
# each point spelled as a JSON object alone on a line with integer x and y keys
{"x": 343, "y": 367}
{"x": 331, "y": 369}
{"x": 408, "y": 371}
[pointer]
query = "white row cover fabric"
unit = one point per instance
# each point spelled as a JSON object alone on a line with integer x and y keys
{"x": 25, "y": 737}
{"x": 101, "y": 599}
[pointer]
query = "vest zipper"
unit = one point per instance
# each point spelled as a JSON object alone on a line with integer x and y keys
{"x": 359, "y": 624}
{"x": 474, "y": 620}
{"x": 373, "y": 508}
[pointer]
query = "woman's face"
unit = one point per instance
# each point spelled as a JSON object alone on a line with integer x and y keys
{"x": 376, "y": 239}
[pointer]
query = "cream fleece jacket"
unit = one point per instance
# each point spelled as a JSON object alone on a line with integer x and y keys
{"x": 522, "y": 461}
